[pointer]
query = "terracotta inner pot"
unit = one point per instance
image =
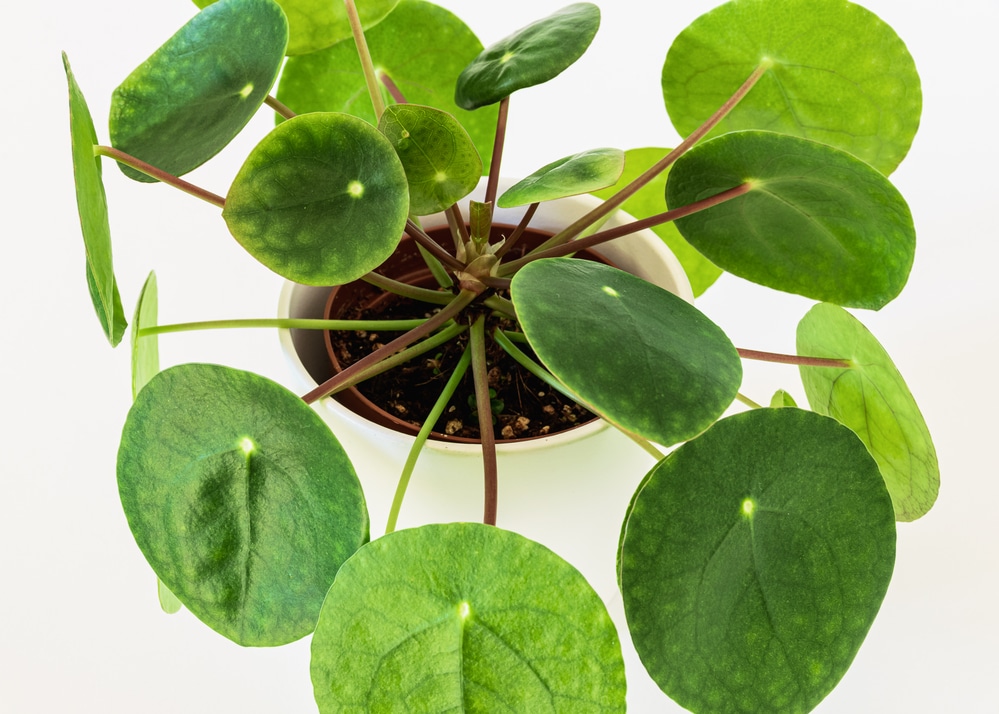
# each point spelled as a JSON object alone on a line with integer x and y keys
{"x": 406, "y": 265}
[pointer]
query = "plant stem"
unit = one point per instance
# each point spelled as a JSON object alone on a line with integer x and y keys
{"x": 393, "y": 89}
{"x": 432, "y": 246}
{"x": 500, "y": 304}
{"x": 280, "y": 108}
{"x": 632, "y": 188}
{"x": 747, "y": 401}
{"x": 428, "y": 424}
{"x": 149, "y": 170}
{"x": 287, "y": 324}
{"x": 795, "y": 359}
{"x": 610, "y": 234}
{"x": 455, "y": 221}
{"x": 494, "y": 164}
{"x": 459, "y": 303}
{"x": 514, "y": 237}
{"x": 434, "y": 297}
{"x": 367, "y": 66}
{"x": 480, "y": 376}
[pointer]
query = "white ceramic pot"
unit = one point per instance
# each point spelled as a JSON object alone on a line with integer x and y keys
{"x": 568, "y": 491}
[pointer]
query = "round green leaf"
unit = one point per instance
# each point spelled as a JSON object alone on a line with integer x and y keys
{"x": 580, "y": 173}
{"x": 421, "y": 47}
{"x": 240, "y": 498}
{"x": 639, "y": 355}
{"x": 838, "y": 74}
{"x": 195, "y": 93}
{"x": 464, "y": 617}
{"x": 441, "y": 163}
{"x": 317, "y": 24}
{"x": 817, "y": 221}
{"x": 532, "y": 55}
{"x": 321, "y": 200}
{"x": 649, "y": 201}
{"x": 753, "y": 561}
{"x": 872, "y": 399}
{"x": 92, "y": 205}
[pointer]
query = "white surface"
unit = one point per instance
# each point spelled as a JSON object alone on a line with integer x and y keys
{"x": 80, "y": 629}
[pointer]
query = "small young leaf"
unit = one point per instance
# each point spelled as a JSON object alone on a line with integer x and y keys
{"x": 92, "y": 205}
{"x": 240, "y": 498}
{"x": 580, "y": 173}
{"x": 872, "y": 399}
{"x": 168, "y": 601}
{"x": 321, "y": 200}
{"x": 838, "y": 74}
{"x": 753, "y": 561}
{"x": 640, "y": 356}
{"x": 817, "y": 221}
{"x": 421, "y": 47}
{"x": 464, "y": 617}
{"x": 316, "y": 24}
{"x": 145, "y": 349}
{"x": 782, "y": 399}
{"x": 650, "y": 201}
{"x": 441, "y": 163}
{"x": 531, "y": 56}
{"x": 195, "y": 93}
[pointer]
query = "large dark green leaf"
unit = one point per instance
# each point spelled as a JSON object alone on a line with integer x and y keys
{"x": 650, "y": 201}
{"x": 532, "y": 55}
{"x": 240, "y": 498}
{"x": 872, "y": 399}
{"x": 317, "y": 24}
{"x": 441, "y": 163}
{"x": 642, "y": 357}
{"x": 464, "y": 617}
{"x": 580, "y": 173}
{"x": 195, "y": 93}
{"x": 753, "y": 561}
{"x": 838, "y": 74}
{"x": 92, "y": 205}
{"x": 419, "y": 46}
{"x": 817, "y": 222}
{"x": 322, "y": 200}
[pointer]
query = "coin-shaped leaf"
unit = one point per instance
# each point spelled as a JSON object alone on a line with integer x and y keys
{"x": 650, "y": 200}
{"x": 817, "y": 221}
{"x": 92, "y": 205}
{"x": 753, "y": 561}
{"x": 871, "y": 398}
{"x": 195, "y": 93}
{"x": 580, "y": 173}
{"x": 321, "y": 200}
{"x": 441, "y": 163}
{"x": 464, "y": 617}
{"x": 317, "y": 24}
{"x": 240, "y": 498}
{"x": 639, "y": 355}
{"x": 531, "y": 56}
{"x": 421, "y": 47}
{"x": 838, "y": 74}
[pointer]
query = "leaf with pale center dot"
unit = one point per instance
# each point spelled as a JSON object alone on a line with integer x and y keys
{"x": 753, "y": 560}
{"x": 440, "y": 160}
{"x": 570, "y": 176}
{"x": 533, "y": 55}
{"x": 317, "y": 24}
{"x": 642, "y": 357}
{"x": 192, "y": 96}
{"x": 321, "y": 200}
{"x": 240, "y": 498}
{"x": 871, "y": 398}
{"x": 837, "y": 74}
{"x": 816, "y": 221}
{"x": 464, "y": 617}
{"x": 92, "y": 206}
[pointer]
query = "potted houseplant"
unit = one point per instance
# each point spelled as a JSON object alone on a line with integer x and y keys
{"x": 752, "y": 558}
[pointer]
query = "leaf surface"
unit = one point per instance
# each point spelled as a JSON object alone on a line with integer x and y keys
{"x": 753, "y": 561}
{"x": 240, "y": 498}
{"x": 873, "y": 400}
{"x": 584, "y": 172}
{"x": 464, "y": 617}
{"x": 838, "y": 74}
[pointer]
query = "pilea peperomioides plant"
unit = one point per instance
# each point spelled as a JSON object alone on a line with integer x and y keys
{"x": 753, "y": 557}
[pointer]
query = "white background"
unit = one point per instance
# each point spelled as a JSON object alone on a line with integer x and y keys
{"x": 80, "y": 628}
